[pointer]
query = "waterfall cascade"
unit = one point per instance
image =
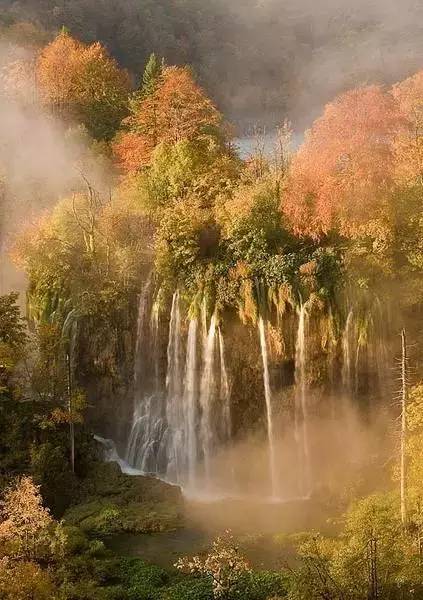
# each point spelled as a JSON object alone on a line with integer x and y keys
{"x": 301, "y": 405}
{"x": 347, "y": 353}
{"x": 225, "y": 392}
{"x": 177, "y": 428}
{"x": 183, "y": 414}
{"x": 269, "y": 410}
{"x": 148, "y": 424}
{"x": 175, "y": 409}
{"x": 206, "y": 398}
{"x": 190, "y": 402}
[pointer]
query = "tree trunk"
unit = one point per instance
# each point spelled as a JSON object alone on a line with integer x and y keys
{"x": 71, "y": 424}
{"x": 404, "y": 402}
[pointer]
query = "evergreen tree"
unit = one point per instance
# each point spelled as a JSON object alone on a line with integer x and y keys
{"x": 151, "y": 75}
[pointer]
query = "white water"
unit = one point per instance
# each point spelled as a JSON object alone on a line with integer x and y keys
{"x": 178, "y": 425}
{"x": 154, "y": 324}
{"x": 301, "y": 405}
{"x": 190, "y": 402}
{"x": 269, "y": 410}
{"x": 206, "y": 398}
{"x": 111, "y": 455}
{"x": 174, "y": 407}
{"x": 141, "y": 324}
{"x": 347, "y": 353}
{"x": 225, "y": 393}
{"x": 141, "y": 419}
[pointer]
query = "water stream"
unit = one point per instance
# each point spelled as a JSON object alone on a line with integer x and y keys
{"x": 269, "y": 410}
{"x": 301, "y": 406}
{"x": 190, "y": 402}
{"x": 206, "y": 399}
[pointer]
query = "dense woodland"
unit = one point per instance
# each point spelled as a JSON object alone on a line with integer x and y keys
{"x": 257, "y": 60}
{"x": 340, "y": 218}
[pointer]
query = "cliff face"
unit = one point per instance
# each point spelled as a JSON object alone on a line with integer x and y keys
{"x": 214, "y": 403}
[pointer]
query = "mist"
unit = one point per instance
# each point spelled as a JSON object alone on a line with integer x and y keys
{"x": 298, "y": 55}
{"x": 262, "y": 61}
{"x": 41, "y": 161}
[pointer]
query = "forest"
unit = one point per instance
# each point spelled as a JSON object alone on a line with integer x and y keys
{"x": 257, "y": 59}
{"x": 211, "y": 363}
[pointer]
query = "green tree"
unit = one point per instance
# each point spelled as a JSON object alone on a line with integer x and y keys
{"x": 152, "y": 72}
{"x": 12, "y": 340}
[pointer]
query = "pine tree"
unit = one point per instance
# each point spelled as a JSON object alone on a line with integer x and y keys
{"x": 151, "y": 75}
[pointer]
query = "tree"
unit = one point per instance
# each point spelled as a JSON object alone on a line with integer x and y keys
{"x": 58, "y": 67}
{"x": 177, "y": 110}
{"x": 415, "y": 446}
{"x": 224, "y": 565}
{"x": 409, "y": 141}
{"x": 83, "y": 83}
{"x": 12, "y": 339}
{"x": 371, "y": 558}
{"x": 102, "y": 93}
{"x": 24, "y": 520}
{"x": 25, "y": 581}
{"x": 344, "y": 169}
{"x": 151, "y": 75}
{"x": 404, "y": 429}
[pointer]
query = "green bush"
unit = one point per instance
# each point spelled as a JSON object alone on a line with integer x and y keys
{"x": 75, "y": 540}
{"x": 189, "y": 588}
{"x": 262, "y": 585}
{"x": 142, "y": 581}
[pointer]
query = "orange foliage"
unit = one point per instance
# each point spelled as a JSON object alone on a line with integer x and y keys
{"x": 409, "y": 142}
{"x": 77, "y": 80}
{"x": 58, "y": 68}
{"x": 133, "y": 150}
{"x": 345, "y": 164}
{"x": 177, "y": 110}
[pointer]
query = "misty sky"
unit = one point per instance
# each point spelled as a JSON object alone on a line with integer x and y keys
{"x": 261, "y": 60}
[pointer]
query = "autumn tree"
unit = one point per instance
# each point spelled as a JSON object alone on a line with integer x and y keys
{"x": 83, "y": 83}
{"x": 58, "y": 67}
{"x": 25, "y": 581}
{"x": 408, "y": 144}
{"x": 24, "y": 520}
{"x": 178, "y": 109}
{"x": 28, "y": 538}
{"x": 342, "y": 172}
{"x": 224, "y": 564}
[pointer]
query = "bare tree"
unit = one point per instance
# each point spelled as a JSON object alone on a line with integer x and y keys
{"x": 404, "y": 403}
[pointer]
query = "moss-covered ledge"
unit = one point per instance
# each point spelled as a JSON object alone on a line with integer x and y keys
{"x": 110, "y": 502}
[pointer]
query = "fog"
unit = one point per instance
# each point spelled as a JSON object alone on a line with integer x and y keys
{"x": 262, "y": 60}
{"x": 40, "y": 161}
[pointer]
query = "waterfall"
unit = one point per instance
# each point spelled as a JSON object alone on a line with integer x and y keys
{"x": 174, "y": 408}
{"x": 140, "y": 358}
{"x": 301, "y": 405}
{"x": 182, "y": 421}
{"x": 381, "y": 350}
{"x": 347, "y": 353}
{"x": 269, "y": 408}
{"x": 224, "y": 391}
{"x": 206, "y": 398}
{"x": 146, "y": 447}
{"x": 154, "y": 324}
{"x": 190, "y": 401}
{"x": 140, "y": 370}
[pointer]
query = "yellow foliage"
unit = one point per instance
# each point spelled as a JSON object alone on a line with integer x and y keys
{"x": 25, "y": 581}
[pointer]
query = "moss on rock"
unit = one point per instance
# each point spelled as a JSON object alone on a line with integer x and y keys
{"x": 110, "y": 502}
